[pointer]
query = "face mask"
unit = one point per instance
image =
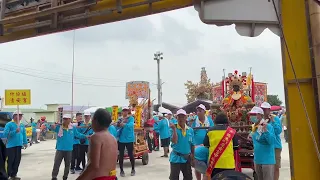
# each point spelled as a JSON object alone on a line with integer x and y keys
{"x": 253, "y": 119}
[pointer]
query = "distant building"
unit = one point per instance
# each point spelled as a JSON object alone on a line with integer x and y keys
{"x": 54, "y": 112}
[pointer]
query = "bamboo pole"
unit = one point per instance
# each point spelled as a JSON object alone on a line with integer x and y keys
{"x": 314, "y": 16}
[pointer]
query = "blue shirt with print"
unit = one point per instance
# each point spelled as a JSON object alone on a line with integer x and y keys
{"x": 113, "y": 130}
{"x": 34, "y": 127}
{"x": 277, "y": 126}
{"x": 65, "y": 142}
{"x": 201, "y": 153}
{"x": 199, "y": 134}
{"x": 82, "y": 129}
{"x": 127, "y": 132}
{"x": 15, "y": 139}
{"x": 263, "y": 144}
{"x": 156, "y": 123}
{"x": 183, "y": 145}
{"x": 164, "y": 130}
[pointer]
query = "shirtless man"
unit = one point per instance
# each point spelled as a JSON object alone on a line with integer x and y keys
{"x": 103, "y": 151}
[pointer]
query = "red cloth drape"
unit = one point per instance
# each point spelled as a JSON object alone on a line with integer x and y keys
{"x": 237, "y": 161}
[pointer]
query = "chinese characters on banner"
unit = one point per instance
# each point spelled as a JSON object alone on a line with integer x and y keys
{"x": 217, "y": 93}
{"x": 138, "y": 88}
{"x": 115, "y": 113}
{"x": 138, "y": 112}
{"x": 260, "y": 93}
{"x": 17, "y": 97}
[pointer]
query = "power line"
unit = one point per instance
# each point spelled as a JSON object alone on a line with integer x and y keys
{"x": 57, "y": 80}
{"x": 39, "y": 71}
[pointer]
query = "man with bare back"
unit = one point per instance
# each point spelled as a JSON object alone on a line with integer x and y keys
{"x": 103, "y": 151}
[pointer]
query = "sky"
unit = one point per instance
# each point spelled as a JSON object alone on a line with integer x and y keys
{"x": 107, "y": 56}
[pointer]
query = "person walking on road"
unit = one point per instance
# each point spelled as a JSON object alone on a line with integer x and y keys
{"x": 102, "y": 156}
{"x": 16, "y": 139}
{"x": 64, "y": 145}
{"x": 263, "y": 137}
{"x": 84, "y": 128}
{"x": 163, "y": 127}
{"x": 126, "y": 140}
{"x": 277, "y": 126}
{"x": 76, "y": 143}
{"x": 182, "y": 154}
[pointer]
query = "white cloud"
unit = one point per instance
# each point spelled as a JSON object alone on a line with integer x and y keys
{"x": 112, "y": 54}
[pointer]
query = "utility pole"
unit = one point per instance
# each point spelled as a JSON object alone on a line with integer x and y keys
{"x": 158, "y": 57}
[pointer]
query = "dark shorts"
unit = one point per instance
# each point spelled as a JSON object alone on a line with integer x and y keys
{"x": 165, "y": 142}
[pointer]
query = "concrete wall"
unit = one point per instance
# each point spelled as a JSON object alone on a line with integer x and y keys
{"x": 52, "y": 107}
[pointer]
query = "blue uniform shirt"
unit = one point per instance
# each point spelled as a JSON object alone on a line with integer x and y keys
{"x": 173, "y": 121}
{"x": 264, "y": 146}
{"x": 164, "y": 130}
{"x": 201, "y": 153}
{"x": 276, "y": 124}
{"x": 199, "y": 134}
{"x": 127, "y": 132}
{"x": 183, "y": 145}
{"x": 112, "y": 130}
{"x": 15, "y": 139}
{"x": 83, "y": 129}
{"x": 34, "y": 127}
{"x": 65, "y": 142}
{"x": 156, "y": 124}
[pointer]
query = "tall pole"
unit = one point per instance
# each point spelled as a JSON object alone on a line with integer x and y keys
{"x": 72, "y": 76}
{"x": 224, "y": 83}
{"x": 158, "y": 57}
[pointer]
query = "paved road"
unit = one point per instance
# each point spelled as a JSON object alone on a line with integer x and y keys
{"x": 37, "y": 162}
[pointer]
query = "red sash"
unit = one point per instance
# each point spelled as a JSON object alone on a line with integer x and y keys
{"x": 221, "y": 147}
{"x": 106, "y": 178}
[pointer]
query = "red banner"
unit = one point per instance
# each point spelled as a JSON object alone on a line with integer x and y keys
{"x": 259, "y": 93}
{"x": 217, "y": 93}
{"x": 218, "y": 151}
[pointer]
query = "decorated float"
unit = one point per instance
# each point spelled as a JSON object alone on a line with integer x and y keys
{"x": 237, "y": 95}
{"x": 138, "y": 91}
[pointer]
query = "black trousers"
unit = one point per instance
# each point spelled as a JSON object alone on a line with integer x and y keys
{"x": 75, "y": 156}
{"x": 83, "y": 150}
{"x": 14, "y": 158}
{"x": 149, "y": 141}
{"x": 121, "y": 148}
{"x": 3, "y": 171}
{"x": 185, "y": 168}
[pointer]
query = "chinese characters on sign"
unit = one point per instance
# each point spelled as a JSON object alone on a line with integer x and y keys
{"x": 114, "y": 113}
{"x": 17, "y": 97}
{"x": 138, "y": 112}
{"x": 138, "y": 88}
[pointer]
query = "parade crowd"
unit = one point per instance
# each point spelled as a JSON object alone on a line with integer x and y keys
{"x": 93, "y": 144}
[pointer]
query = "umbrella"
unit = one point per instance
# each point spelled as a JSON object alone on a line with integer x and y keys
{"x": 93, "y": 109}
{"x": 276, "y": 108}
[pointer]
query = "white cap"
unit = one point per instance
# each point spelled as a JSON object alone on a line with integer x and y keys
{"x": 66, "y": 116}
{"x": 160, "y": 114}
{"x": 265, "y": 105}
{"x": 169, "y": 112}
{"x": 125, "y": 108}
{"x": 87, "y": 113}
{"x": 256, "y": 110}
{"x": 181, "y": 111}
{"x": 17, "y": 112}
{"x": 202, "y": 107}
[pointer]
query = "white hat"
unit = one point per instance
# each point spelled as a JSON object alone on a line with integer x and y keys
{"x": 125, "y": 108}
{"x": 265, "y": 105}
{"x": 202, "y": 107}
{"x": 87, "y": 113}
{"x": 169, "y": 112}
{"x": 66, "y": 116}
{"x": 17, "y": 112}
{"x": 181, "y": 111}
{"x": 160, "y": 114}
{"x": 256, "y": 110}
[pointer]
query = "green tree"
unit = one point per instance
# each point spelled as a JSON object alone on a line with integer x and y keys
{"x": 274, "y": 100}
